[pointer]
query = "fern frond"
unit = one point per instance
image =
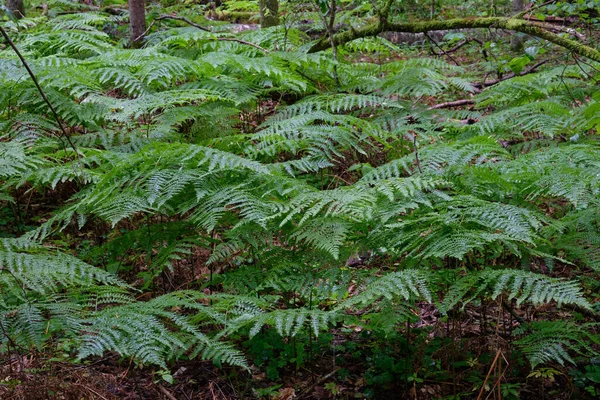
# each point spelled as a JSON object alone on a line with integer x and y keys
{"x": 522, "y": 286}
{"x": 552, "y": 341}
{"x": 410, "y": 284}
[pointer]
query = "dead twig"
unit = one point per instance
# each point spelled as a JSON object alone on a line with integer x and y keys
{"x": 452, "y": 104}
{"x": 184, "y": 19}
{"x": 167, "y": 393}
{"x": 530, "y": 9}
{"x": 488, "y": 374}
{"x": 439, "y": 47}
{"x": 89, "y": 389}
{"x": 416, "y": 152}
{"x": 527, "y": 71}
{"x": 39, "y": 88}
{"x": 230, "y": 39}
{"x": 317, "y": 382}
{"x": 195, "y": 25}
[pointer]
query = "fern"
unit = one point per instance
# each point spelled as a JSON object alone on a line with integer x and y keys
{"x": 519, "y": 285}
{"x": 32, "y": 282}
{"x": 551, "y": 341}
{"x": 407, "y": 285}
{"x": 145, "y": 330}
{"x": 314, "y": 198}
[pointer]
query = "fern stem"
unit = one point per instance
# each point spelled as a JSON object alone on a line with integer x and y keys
{"x": 489, "y": 374}
{"x": 416, "y": 152}
{"x": 11, "y": 340}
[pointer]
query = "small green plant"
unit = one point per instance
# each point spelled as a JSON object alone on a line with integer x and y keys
{"x": 250, "y": 199}
{"x": 510, "y": 391}
{"x": 588, "y": 379}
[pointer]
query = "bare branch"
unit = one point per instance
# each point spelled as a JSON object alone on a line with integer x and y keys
{"x": 452, "y": 104}
{"x": 510, "y": 76}
{"x": 184, "y": 19}
{"x": 195, "y": 25}
{"x": 39, "y": 88}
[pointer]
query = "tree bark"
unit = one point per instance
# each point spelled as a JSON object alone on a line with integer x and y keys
{"x": 516, "y": 42}
{"x": 137, "y": 22}
{"x": 16, "y": 7}
{"x": 533, "y": 28}
{"x": 269, "y": 13}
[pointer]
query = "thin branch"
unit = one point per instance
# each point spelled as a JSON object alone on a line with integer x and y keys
{"x": 306, "y": 391}
{"x": 137, "y": 39}
{"x": 439, "y": 47}
{"x": 333, "y": 9}
{"x": 329, "y": 25}
{"x": 528, "y": 11}
{"x": 512, "y": 312}
{"x": 195, "y": 25}
{"x": 39, "y": 88}
{"x": 577, "y": 60}
{"x": 10, "y": 339}
{"x": 460, "y": 45}
{"x": 184, "y": 19}
{"x": 231, "y": 39}
{"x": 511, "y": 75}
{"x": 452, "y": 104}
{"x": 168, "y": 394}
{"x": 417, "y": 153}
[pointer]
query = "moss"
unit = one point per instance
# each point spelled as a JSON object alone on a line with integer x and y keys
{"x": 514, "y": 24}
{"x": 519, "y": 25}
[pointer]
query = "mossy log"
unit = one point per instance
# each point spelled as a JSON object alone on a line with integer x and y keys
{"x": 532, "y": 28}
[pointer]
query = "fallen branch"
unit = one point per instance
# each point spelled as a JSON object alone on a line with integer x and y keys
{"x": 481, "y": 85}
{"x": 231, "y": 39}
{"x": 532, "y": 28}
{"x": 439, "y": 47}
{"x": 184, "y": 19}
{"x": 317, "y": 382}
{"x": 168, "y": 394}
{"x": 529, "y": 9}
{"x": 195, "y": 25}
{"x": 452, "y": 104}
{"x": 463, "y": 43}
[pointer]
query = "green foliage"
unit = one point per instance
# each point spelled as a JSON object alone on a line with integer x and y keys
{"x": 296, "y": 202}
{"x": 46, "y": 294}
{"x": 553, "y": 340}
{"x": 519, "y": 285}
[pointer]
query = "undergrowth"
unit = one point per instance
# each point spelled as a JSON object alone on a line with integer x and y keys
{"x": 256, "y": 209}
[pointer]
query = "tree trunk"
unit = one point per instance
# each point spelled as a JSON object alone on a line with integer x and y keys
{"x": 16, "y": 7}
{"x": 137, "y": 22}
{"x": 516, "y": 42}
{"x": 269, "y": 13}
